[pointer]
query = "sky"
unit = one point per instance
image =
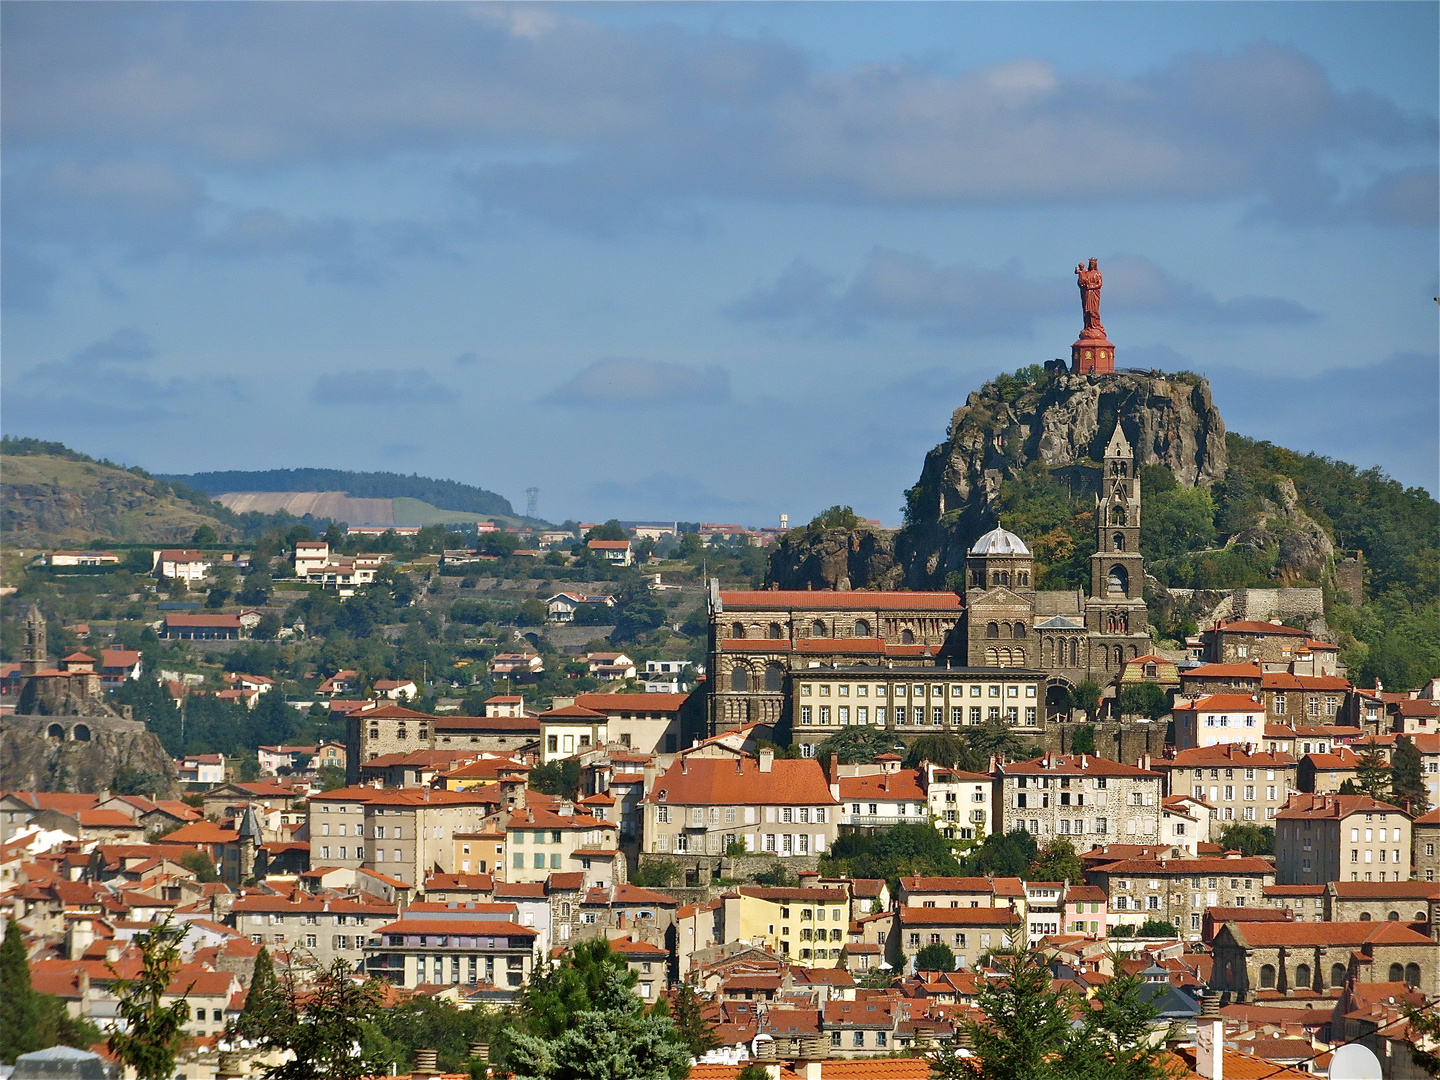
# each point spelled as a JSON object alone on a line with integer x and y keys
{"x": 710, "y": 261}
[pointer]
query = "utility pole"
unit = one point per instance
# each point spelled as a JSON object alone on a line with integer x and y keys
{"x": 532, "y": 501}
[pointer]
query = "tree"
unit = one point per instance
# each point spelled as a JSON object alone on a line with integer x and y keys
{"x": 331, "y": 777}
{"x": 855, "y": 745}
{"x": 264, "y": 1005}
{"x": 322, "y": 1016}
{"x": 201, "y": 865}
{"x": 903, "y": 850}
{"x": 937, "y": 957}
{"x": 152, "y": 1030}
{"x": 1156, "y": 928}
{"x": 1116, "y": 1040}
{"x": 1143, "y": 699}
{"x": 205, "y": 536}
{"x": 1084, "y": 740}
{"x": 1425, "y": 1029}
{"x": 1058, "y": 862}
{"x": 1407, "y": 778}
{"x": 1248, "y": 838}
{"x": 836, "y": 517}
{"x": 944, "y": 750}
{"x": 690, "y": 1023}
{"x": 655, "y": 875}
{"x": 611, "y": 530}
{"x": 1372, "y": 774}
{"x": 753, "y": 1071}
{"x": 268, "y": 628}
{"x": 1003, "y": 854}
{"x": 1347, "y": 787}
{"x": 19, "y": 1009}
{"x": 637, "y": 611}
{"x": 612, "y": 1038}
{"x": 1026, "y": 1025}
{"x": 557, "y": 778}
{"x": 1088, "y": 697}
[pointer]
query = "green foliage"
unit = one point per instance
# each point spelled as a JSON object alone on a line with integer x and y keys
{"x": 200, "y": 864}
{"x": 637, "y": 611}
{"x": 1347, "y": 787}
{"x": 331, "y": 777}
{"x": 1156, "y": 928}
{"x": 320, "y": 1015}
{"x": 1407, "y": 780}
{"x": 1372, "y": 774}
{"x": 611, "y": 530}
{"x": 945, "y": 750}
{"x": 132, "y": 781}
{"x": 836, "y": 517}
{"x": 856, "y": 745}
{"x": 1002, "y": 855}
{"x": 690, "y": 1023}
{"x": 655, "y": 875}
{"x": 753, "y": 1071}
{"x": 1116, "y": 1040}
{"x": 19, "y": 1009}
{"x": 1175, "y": 521}
{"x": 904, "y": 850}
{"x": 937, "y": 957}
{"x": 264, "y": 1004}
{"x": 1248, "y": 838}
{"x": 1425, "y": 1043}
{"x": 1058, "y": 862}
{"x": 443, "y": 494}
{"x": 531, "y": 613}
{"x": 776, "y": 876}
{"x": 1026, "y": 1023}
{"x": 435, "y": 1024}
{"x": 1143, "y": 699}
{"x": 152, "y": 1031}
{"x": 1084, "y": 740}
{"x": 1087, "y": 697}
{"x": 557, "y": 778}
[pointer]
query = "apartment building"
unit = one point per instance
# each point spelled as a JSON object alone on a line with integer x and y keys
{"x": 540, "y": 841}
{"x": 1238, "y": 780}
{"x": 880, "y": 797}
{"x": 807, "y": 925}
{"x": 1425, "y": 843}
{"x": 411, "y": 952}
{"x": 1088, "y": 800}
{"x": 969, "y": 932}
{"x": 703, "y": 807}
{"x": 1178, "y": 891}
{"x": 1323, "y": 838}
{"x": 960, "y": 802}
{"x": 961, "y": 892}
{"x": 1218, "y": 718}
{"x": 323, "y": 929}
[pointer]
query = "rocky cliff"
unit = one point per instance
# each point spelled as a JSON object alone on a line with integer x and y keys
{"x": 84, "y": 754}
{"x": 1061, "y": 421}
{"x": 838, "y": 558}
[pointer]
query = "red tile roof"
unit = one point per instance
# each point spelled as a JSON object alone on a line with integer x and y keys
{"x": 463, "y": 927}
{"x": 903, "y": 785}
{"x": 1332, "y": 806}
{"x": 1250, "y": 626}
{"x": 1074, "y": 765}
{"x": 1353, "y": 934}
{"x": 1227, "y": 754}
{"x": 1222, "y": 703}
{"x": 608, "y": 703}
{"x": 694, "y": 781}
{"x": 1227, "y": 671}
{"x": 1199, "y": 865}
{"x": 203, "y": 620}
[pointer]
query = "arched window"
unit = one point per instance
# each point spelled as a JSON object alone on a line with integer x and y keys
{"x": 1118, "y": 582}
{"x": 1023, "y": 577}
{"x": 737, "y": 630}
{"x": 992, "y": 657}
{"x": 740, "y": 678}
{"x": 1020, "y": 657}
{"x": 1005, "y": 629}
{"x": 1302, "y": 975}
{"x": 1074, "y": 652}
{"x": 1394, "y": 916}
{"x": 1006, "y": 656}
{"x": 1117, "y": 468}
{"x": 992, "y": 630}
{"x": 1019, "y": 629}
{"x": 1364, "y": 916}
{"x": 80, "y": 733}
{"x": 977, "y": 578}
{"x": 1267, "y": 976}
{"x": 995, "y": 577}
{"x": 1134, "y": 651}
{"x": 907, "y": 637}
{"x": 774, "y": 676}
{"x": 776, "y": 631}
{"x": 862, "y": 628}
{"x": 1004, "y": 577}
{"x": 1421, "y": 916}
{"x": 1117, "y": 515}
{"x": 55, "y": 731}
{"x": 1397, "y": 973}
{"x": 1118, "y": 540}
{"x": 1412, "y": 975}
{"x": 817, "y": 629}
{"x": 1337, "y": 974}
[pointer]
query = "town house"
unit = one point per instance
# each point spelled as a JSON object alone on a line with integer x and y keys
{"x": 323, "y": 929}
{"x": 805, "y": 924}
{"x": 1218, "y": 718}
{"x": 413, "y": 951}
{"x": 970, "y": 932}
{"x": 1178, "y": 891}
{"x": 1088, "y": 799}
{"x": 960, "y": 802}
{"x": 1239, "y": 781}
{"x": 541, "y": 840}
{"x": 1321, "y": 838}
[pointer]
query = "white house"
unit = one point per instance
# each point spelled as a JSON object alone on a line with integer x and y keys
{"x": 561, "y": 607}
{"x": 1219, "y": 718}
{"x": 186, "y": 564}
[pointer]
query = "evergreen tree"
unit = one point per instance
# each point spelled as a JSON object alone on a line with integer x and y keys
{"x": 1407, "y": 777}
{"x": 935, "y": 957}
{"x": 1058, "y": 862}
{"x": 323, "y": 1023}
{"x": 1084, "y": 741}
{"x": 18, "y": 1005}
{"x": 943, "y": 750}
{"x": 1025, "y": 1029}
{"x": 152, "y": 1030}
{"x": 690, "y": 1022}
{"x": 856, "y": 745}
{"x": 1372, "y": 774}
{"x": 263, "y": 1004}
{"x": 1116, "y": 1041}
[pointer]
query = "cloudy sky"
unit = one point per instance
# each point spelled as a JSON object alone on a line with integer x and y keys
{"x": 714, "y": 261}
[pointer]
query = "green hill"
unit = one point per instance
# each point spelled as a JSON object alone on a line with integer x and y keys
{"x": 439, "y": 494}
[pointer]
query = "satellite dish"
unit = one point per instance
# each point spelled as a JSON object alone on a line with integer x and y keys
{"x": 1354, "y": 1062}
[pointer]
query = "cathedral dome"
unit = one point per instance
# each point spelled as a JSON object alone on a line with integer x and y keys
{"x": 999, "y": 542}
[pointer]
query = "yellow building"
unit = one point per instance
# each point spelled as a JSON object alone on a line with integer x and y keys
{"x": 807, "y": 925}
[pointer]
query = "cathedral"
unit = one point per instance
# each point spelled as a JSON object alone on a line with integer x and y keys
{"x": 1070, "y": 635}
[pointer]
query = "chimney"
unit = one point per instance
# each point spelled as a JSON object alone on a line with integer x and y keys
{"x": 767, "y": 760}
{"x": 684, "y": 767}
{"x": 834, "y": 767}
{"x": 1210, "y": 1039}
{"x": 424, "y": 1064}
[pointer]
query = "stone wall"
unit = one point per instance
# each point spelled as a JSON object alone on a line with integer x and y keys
{"x": 697, "y": 871}
{"x": 1263, "y": 605}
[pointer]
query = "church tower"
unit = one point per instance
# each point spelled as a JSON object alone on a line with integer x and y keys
{"x": 34, "y": 653}
{"x": 1115, "y": 611}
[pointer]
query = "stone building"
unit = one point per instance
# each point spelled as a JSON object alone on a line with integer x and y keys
{"x": 1178, "y": 891}
{"x": 1425, "y": 840}
{"x": 323, "y": 929}
{"x": 1380, "y": 901}
{"x": 970, "y": 932}
{"x": 1282, "y": 960}
{"x": 1088, "y": 800}
{"x": 1241, "y": 783}
{"x": 1320, "y": 838}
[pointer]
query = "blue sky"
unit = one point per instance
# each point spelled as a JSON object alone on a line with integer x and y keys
{"x": 716, "y": 261}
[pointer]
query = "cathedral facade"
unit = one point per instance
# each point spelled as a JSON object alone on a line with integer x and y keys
{"x": 1072, "y": 636}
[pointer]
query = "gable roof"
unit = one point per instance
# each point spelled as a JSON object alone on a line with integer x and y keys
{"x": 695, "y": 781}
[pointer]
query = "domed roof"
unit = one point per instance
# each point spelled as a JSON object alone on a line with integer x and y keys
{"x": 999, "y": 542}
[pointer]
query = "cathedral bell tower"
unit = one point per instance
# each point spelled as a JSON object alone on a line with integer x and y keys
{"x": 1117, "y": 570}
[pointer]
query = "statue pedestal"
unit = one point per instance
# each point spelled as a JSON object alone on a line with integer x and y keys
{"x": 1094, "y": 356}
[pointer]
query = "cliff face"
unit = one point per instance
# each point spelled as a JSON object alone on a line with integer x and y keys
{"x": 1063, "y": 424}
{"x": 32, "y": 759}
{"x": 834, "y": 559}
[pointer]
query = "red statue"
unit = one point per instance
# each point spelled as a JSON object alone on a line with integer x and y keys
{"x": 1090, "y": 281}
{"x": 1092, "y": 354}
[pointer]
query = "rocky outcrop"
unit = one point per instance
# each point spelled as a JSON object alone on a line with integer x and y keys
{"x": 1061, "y": 422}
{"x": 82, "y": 754}
{"x": 1305, "y": 548}
{"x": 861, "y": 558}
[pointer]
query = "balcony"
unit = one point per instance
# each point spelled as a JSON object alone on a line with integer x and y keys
{"x": 880, "y": 820}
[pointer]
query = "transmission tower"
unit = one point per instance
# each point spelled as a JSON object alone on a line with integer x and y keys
{"x": 532, "y": 501}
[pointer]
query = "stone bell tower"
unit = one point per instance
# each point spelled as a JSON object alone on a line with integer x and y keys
{"x": 1115, "y": 611}
{"x": 34, "y": 653}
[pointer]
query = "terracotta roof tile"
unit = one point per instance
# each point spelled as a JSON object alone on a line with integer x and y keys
{"x": 776, "y": 599}
{"x": 693, "y": 781}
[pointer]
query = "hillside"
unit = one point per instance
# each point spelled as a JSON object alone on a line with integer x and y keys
{"x": 440, "y": 494}
{"x": 50, "y": 496}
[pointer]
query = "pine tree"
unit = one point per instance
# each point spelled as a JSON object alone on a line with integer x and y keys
{"x": 152, "y": 1030}
{"x": 1026, "y": 1027}
{"x": 690, "y": 1022}
{"x": 1407, "y": 777}
{"x": 1372, "y": 774}
{"x": 1116, "y": 1040}
{"x": 18, "y": 1007}
{"x": 264, "y": 1003}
